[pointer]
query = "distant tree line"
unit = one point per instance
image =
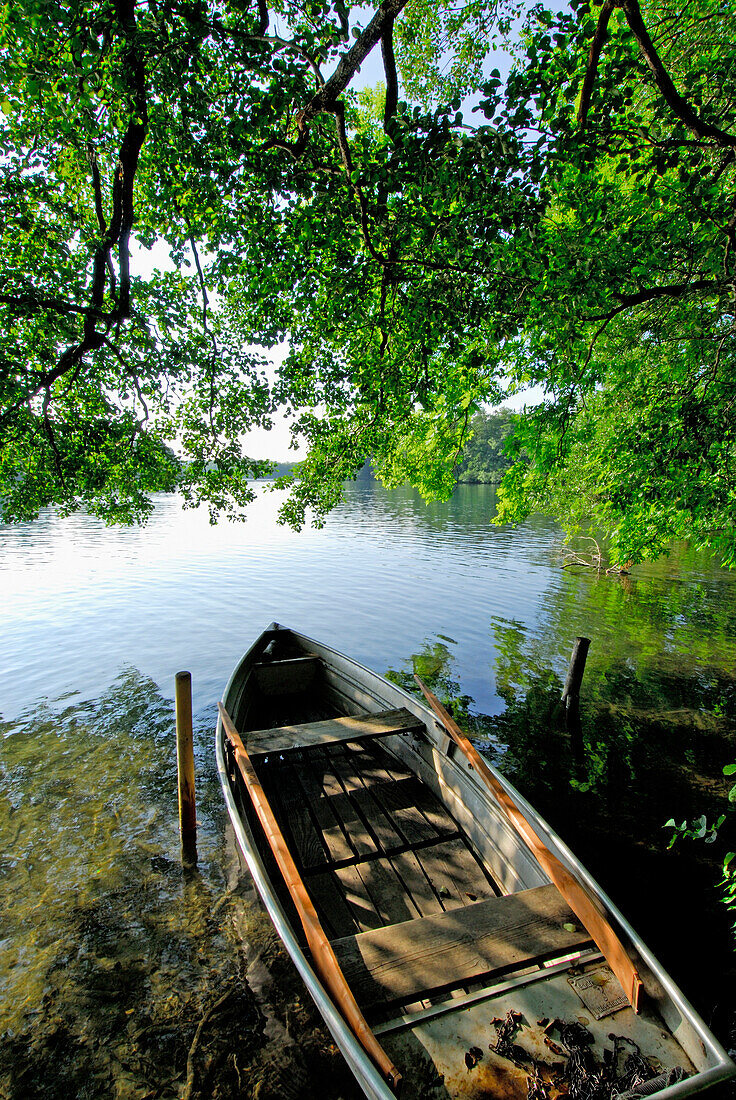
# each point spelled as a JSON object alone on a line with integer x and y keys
{"x": 484, "y": 458}
{"x": 280, "y": 469}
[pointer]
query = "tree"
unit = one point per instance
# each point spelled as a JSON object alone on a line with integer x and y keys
{"x": 637, "y": 432}
{"x": 581, "y": 237}
{"x": 484, "y": 459}
{"x": 166, "y": 121}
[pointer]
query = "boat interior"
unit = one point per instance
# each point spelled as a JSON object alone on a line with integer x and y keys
{"x": 418, "y": 914}
{"x": 376, "y": 848}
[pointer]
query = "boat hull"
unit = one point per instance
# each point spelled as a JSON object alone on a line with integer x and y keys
{"x": 450, "y": 1048}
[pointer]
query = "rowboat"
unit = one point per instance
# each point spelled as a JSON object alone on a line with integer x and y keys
{"x": 447, "y": 935}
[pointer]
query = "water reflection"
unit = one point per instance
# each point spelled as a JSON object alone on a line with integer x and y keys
{"x": 384, "y": 571}
{"x": 121, "y": 975}
{"x": 655, "y": 733}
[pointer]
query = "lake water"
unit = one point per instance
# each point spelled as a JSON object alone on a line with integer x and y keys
{"x": 123, "y": 977}
{"x": 385, "y": 573}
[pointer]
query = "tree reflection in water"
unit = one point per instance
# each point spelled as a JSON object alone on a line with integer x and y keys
{"x": 654, "y": 739}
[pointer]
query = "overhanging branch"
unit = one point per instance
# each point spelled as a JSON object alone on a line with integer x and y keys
{"x": 351, "y": 61}
{"x": 674, "y": 290}
{"x": 674, "y": 100}
{"x": 593, "y": 58}
{"x": 342, "y": 141}
{"x": 115, "y": 234}
{"x": 389, "y": 68}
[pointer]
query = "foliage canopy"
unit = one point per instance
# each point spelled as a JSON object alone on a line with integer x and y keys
{"x": 573, "y": 226}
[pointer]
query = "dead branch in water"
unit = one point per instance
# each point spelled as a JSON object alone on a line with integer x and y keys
{"x": 189, "y": 1086}
{"x": 591, "y": 559}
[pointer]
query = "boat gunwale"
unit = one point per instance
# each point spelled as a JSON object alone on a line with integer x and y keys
{"x": 368, "y": 1076}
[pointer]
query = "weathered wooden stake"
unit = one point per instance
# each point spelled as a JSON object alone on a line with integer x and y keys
{"x": 571, "y": 691}
{"x": 185, "y": 767}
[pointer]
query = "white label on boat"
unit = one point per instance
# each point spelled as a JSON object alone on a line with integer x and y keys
{"x": 600, "y": 992}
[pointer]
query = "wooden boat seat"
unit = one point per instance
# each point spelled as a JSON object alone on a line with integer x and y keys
{"x": 356, "y": 727}
{"x": 287, "y": 677}
{"x": 403, "y": 962}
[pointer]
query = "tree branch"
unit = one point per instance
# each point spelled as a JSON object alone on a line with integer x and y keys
{"x": 130, "y": 149}
{"x": 25, "y": 304}
{"x": 389, "y": 68}
{"x": 675, "y": 290}
{"x": 342, "y": 140}
{"x": 96, "y": 186}
{"x": 116, "y": 233}
{"x": 130, "y": 373}
{"x": 593, "y": 58}
{"x": 52, "y": 439}
{"x": 350, "y": 62}
{"x": 461, "y": 442}
{"x": 326, "y": 98}
{"x": 680, "y": 107}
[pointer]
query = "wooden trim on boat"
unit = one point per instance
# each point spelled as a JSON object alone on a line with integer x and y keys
{"x": 324, "y": 958}
{"x": 577, "y": 897}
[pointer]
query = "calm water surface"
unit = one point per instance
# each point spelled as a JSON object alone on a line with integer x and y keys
{"x": 120, "y": 975}
{"x": 384, "y": 574}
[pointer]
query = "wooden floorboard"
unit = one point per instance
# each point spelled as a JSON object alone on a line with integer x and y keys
{"x": 345, "y": 811}
{"x": 419, "y": 813}
{"x": 334, "y": 912}
{"x": 320, "y": 767}
{"x": 345, "y": 769}
{"x": 385, "y": 759}
{"x": 333, "y": 833}
{"x": 418, "y": 886}
{"x": 361, "y": 838}
{"x": 387, "y": 892}
{"x": 397, "y": 801}
{"x": 385, "y": 832}
{"x": 286, "y": 796}
{"x": 435, "y": 811}
{"x": 455, "y": 874}
{"x": 358, "y": 899}
{"x": 371, "y": 810}
{"x": 375, "y": 763}
{"x": 375, "y": 846}
{"x": 407, "y": 961}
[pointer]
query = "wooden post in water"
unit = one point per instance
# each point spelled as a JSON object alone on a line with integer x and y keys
{"x": 185, "y": 768}
{"x": 571, "y": 691}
